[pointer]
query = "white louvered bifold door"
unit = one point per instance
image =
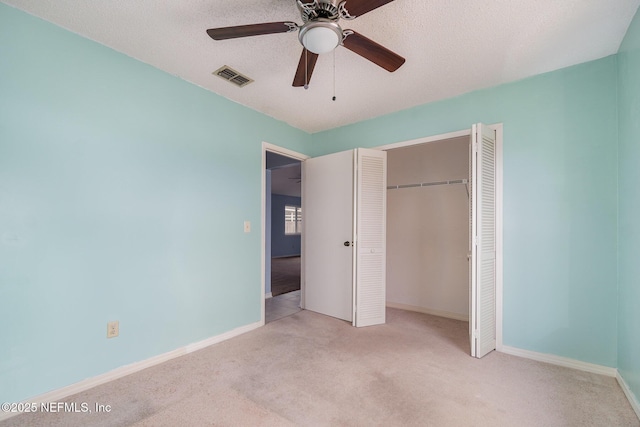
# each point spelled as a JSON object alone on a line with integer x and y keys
{"x": 370, "y": 262}
{"x": 483, "y": 256}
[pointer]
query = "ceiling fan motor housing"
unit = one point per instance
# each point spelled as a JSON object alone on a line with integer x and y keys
{"x": 320, "y": 32}
{"x": 325, "y": 9}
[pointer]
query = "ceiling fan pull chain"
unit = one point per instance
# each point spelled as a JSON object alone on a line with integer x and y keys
{"x": 306, "y": 73}
{"x": 334, "y": 75}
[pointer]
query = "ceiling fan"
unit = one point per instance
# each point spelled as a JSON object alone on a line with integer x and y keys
{"x": 321, "y": 33}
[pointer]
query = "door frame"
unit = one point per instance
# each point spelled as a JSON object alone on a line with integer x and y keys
{"x": 498, "y": 127}
{"x": 263, "y": 219}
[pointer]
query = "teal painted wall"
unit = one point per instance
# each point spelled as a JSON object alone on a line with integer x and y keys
{"x": 629, "y": 206}
{"x": 560, "y": 182}
{"x": 123, "y": 192}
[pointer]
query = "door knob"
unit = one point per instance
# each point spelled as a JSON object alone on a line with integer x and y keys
{"x": 347, "y": 243}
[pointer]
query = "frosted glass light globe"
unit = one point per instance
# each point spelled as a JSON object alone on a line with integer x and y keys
{"x": 320, "y": 39}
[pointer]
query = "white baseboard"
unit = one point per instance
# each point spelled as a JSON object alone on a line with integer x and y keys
{"x": 425, "y": 310}
{"x": 633, "y": 400}
{"x": 190, "y": 348}
{"x": 64, "y": 392}
{"x": 268, "y": 295}
{"x": 560, "y": 361}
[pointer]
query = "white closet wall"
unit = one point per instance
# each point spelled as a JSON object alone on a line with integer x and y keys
{"x": 428, "y": 229}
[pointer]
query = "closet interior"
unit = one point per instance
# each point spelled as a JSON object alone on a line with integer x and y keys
{"x": 428, "y": 228}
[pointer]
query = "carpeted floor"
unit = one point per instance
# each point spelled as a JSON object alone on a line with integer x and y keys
{"x": 285, "y": 275}
{"x": 309, "y": 369}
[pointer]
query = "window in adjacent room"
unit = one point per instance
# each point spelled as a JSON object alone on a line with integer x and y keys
{"x": 292, "y": 220}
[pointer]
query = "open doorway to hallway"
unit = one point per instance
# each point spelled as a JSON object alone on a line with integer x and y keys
{"x": 283, "y": 236}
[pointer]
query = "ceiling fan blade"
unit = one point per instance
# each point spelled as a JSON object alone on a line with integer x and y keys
{"x": 372, "y": 51}
{"x": 356, "y": 8}
{"x": 225, "y": 33}
{"x": 308, "y": 58}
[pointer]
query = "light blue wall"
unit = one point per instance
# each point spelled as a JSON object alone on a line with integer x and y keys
{"x": 560, "y": 174}
{"x": 281, "y": 244}
{"x": 629, "y": 207}
{"x": 123, "y": 192}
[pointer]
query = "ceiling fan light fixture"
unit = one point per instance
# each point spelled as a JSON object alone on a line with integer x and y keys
{"x": 320, "y": 36}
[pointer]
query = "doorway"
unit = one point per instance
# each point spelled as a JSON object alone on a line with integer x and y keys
{"x": 362, "y": 285}
{"x": 433, "y": 268}
{"x": 282, "y": 232}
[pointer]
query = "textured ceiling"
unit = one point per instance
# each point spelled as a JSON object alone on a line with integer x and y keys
{"x": 451, "y": 47}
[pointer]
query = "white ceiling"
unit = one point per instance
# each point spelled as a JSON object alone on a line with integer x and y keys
{"x": 451, "y": 46}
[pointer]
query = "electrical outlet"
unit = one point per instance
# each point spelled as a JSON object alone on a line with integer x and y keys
{"x": 247, "y": 226}
{"x": 113, "y": 329}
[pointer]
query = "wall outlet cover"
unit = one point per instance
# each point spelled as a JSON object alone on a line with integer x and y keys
{"x": 113, "y": 329}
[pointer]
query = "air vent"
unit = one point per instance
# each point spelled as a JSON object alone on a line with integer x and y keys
{"x": 232, "y": 75}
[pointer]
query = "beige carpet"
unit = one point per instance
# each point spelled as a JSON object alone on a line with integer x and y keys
{"x": 313, "y": 370}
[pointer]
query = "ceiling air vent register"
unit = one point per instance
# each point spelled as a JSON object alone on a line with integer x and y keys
{"x": 232, "y": 76}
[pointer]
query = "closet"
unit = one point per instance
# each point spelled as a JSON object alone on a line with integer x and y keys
{"x": 428, "y": 228}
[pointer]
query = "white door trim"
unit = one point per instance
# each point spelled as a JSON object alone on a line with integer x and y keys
{"x": 425, "y": 140}
{"x": 499, "y": 226}
{"x": 498, "y": 127}
{"x": 263, "y": 219}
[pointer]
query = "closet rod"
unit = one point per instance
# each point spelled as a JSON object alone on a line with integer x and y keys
{"x": 428, "y": 184}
